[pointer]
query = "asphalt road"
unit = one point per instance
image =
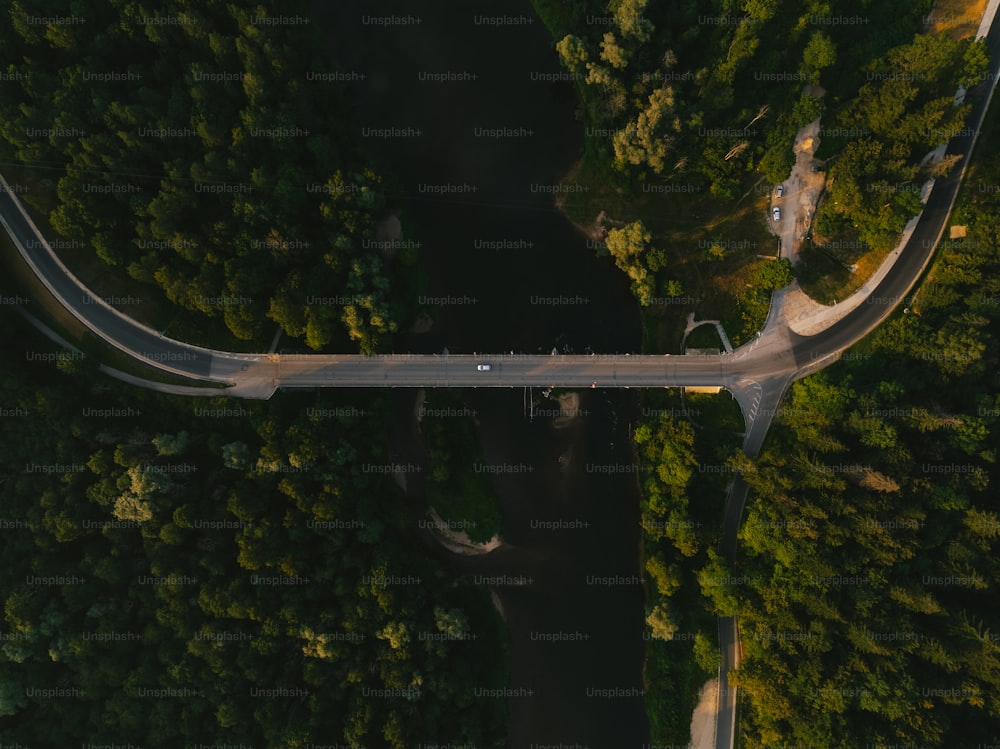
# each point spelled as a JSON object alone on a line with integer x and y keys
{"x": 121, "y": 332}
{"x": 777, "y": 354}
{"x": 514, "y": 371}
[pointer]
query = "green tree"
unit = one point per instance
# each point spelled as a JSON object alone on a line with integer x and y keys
{"x": 451, "y": 622}
{"x": 819, "y": 54}
{"x": 667, "y": 579}
{"x": 647, "y": 140}
{"x": 661, "y": 625}
{"x": 631, "y": 21}
{"x": 171, "y": 444}
{"x": 629, "y": 246}
{"x": 236, "y": 455}
{"x": 572, "y": 52}
{"x": 612, "y": 53}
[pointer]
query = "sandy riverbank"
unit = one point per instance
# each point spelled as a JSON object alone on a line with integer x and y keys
{"x": 458, "y": 541}
{"x": 569, "y": 410}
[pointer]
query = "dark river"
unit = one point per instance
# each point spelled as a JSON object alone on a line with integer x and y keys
{"x": 516, "y": 275}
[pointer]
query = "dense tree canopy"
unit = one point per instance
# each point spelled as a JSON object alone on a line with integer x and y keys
{"x": 196, "y": 154}
{"x": 904, "y": 110}
{"x": 870, "y": 542}
{"x": 705, "y": 98}
{"x": 199, "y": 571}
{"x": 866, "y": 575}
{"x": 683, "y": 480}
{"x": 713, "y": 87}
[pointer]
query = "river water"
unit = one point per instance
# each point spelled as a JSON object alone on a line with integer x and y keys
{"x": 515, "y": 275}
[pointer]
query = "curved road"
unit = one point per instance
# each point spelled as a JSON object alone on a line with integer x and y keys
{"x": 775, "y": 357}
{"x": 758, "y": 373}
{"x": 813, "y": 352}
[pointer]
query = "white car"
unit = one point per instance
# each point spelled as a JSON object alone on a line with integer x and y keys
{"x": 484, "y": 367}
{"x": 776, "y": 212}
{"x": 780, "y": 191}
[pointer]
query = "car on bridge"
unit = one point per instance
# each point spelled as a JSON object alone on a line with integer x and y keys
{"x": 484, "y": 367}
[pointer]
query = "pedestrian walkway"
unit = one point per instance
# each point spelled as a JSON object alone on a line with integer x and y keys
{"x": 988, "y": 16}
{"x": 725, "y": 339}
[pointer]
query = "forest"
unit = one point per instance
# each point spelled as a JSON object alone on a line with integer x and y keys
{"x": 682, "y": 449}
{"x": 886, "y": 584}
{"x": 182, "y": 571}
{"x": 194, "y": 571}
{"x": 719, "y": 88}
{"x": 904, "y": 110}
{"x": 141, "y": 532}
{"x": 708, "y": 95}
{"x": 867, "y": 574}
{"x": 194, "y": 148}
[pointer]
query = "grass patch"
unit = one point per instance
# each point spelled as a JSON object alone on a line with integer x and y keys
{"x": 739, "y": 740}
{"x": 462, "y": 496}
{"x": 830, "y": 275}
{"x": 709, "y": 245}
{"x": 560, "y": 18}
{"x": 119, "y": 360}
{"x": 22, "y": 282}
{"x": 656, "y": 337}
{"x": 673, "y": 680}
{"x": 704, "y": 336}
{"x": 820, "y": 275}
{"x": 960, "y": 18}
{"x": 716, "y": 412}
{"x": 747, "y": 312}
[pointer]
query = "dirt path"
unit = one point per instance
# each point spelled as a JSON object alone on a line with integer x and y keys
{"x": 703, "y": 719}
{"x": 801, "y": 193}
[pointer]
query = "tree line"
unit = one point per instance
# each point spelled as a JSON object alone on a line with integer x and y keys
{"x": 681, "y": 449}
{"x": 904, "y": 110}
{"x": 195, "y": 154}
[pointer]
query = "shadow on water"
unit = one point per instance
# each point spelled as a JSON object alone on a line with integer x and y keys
{"x": 512, "y": 177}
{"x": 567, "y": 578}
{"x": 513, "y": 287}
